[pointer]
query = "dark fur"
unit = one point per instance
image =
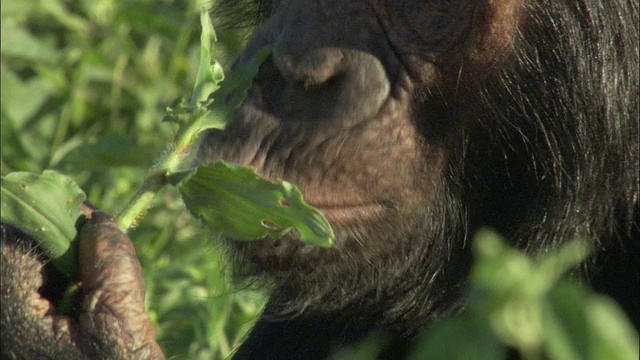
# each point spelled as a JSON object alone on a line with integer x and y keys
{"x": 467, "y": 116}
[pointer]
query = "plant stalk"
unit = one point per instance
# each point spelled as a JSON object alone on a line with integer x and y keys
{"x": 142, "y": 200}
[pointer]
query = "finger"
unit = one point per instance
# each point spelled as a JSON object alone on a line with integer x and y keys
{"x": 114, "y": 318}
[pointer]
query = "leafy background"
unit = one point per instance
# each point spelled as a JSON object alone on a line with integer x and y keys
{"x": 85, "y": 84}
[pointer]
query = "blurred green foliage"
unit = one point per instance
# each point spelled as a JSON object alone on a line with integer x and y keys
{"x": 85, "y": 85}
{"x": 530, "y": 304}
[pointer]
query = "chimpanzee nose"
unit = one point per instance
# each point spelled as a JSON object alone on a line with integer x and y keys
{"x": 327, "y": 82}
{"x": 313, "y": 67}
{"x": 319, "y": 71}
{"x": 341, "y": 85}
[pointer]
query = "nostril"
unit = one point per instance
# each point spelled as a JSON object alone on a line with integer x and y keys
{"x": 314, "y": 67}
{"x": 338, "y": 84}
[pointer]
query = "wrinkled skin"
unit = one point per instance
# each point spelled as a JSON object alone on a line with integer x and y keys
{"x": 112, "y": 322}
{"x": 410, "y": 124}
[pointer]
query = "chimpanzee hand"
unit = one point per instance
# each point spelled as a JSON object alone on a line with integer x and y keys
{"x": 110, "y": 321}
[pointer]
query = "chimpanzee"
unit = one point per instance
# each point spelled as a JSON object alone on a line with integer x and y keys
{"x": 410, "y": 124}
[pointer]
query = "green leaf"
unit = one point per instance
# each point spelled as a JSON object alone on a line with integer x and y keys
{"x": 229, "y": 94}
{"x": 213, "y": 101}
{"x": 22, "y": 99}
{"x": 458, "y": 338}
{"x": 18, "y": 42}
{"x": 234, "y": 90}
{"x": 612, "y": 335}
{"x": 235, "y": 201}
{"x": 565, "y": 323}
{"x": 583, "y": 325}
{"x": 66, "y": 18}
{"x": 531, "y": 307}
{"x": 208, "y": 76}
{"x": 498, "y": 267}
{"x": 46, "y": 208}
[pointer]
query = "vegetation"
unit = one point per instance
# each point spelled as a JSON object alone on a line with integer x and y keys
{"x": 84, "y": 87}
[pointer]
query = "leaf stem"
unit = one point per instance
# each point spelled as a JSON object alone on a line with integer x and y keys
{"x": 142, "y": 200}
{"x": 185, "y": 138}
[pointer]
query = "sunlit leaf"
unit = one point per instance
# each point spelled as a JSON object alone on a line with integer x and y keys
{"x": 207, "y": 78}
{"x": 46, "y": 208}
{"x": 234, "y": 200}
{"x": 611, "y": 333}
{"x": 231, "y": 93}
{"x": 234, "y": 89}
{"x": 19, "y": 42}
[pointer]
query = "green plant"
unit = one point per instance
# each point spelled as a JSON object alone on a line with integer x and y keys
{"x": 528, "y": 304}
{"x": 84, "y": 85}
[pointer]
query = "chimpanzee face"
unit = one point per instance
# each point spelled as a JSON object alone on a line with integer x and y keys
{"x": 352, "y": 107}
{"x": 408, "y": 124}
